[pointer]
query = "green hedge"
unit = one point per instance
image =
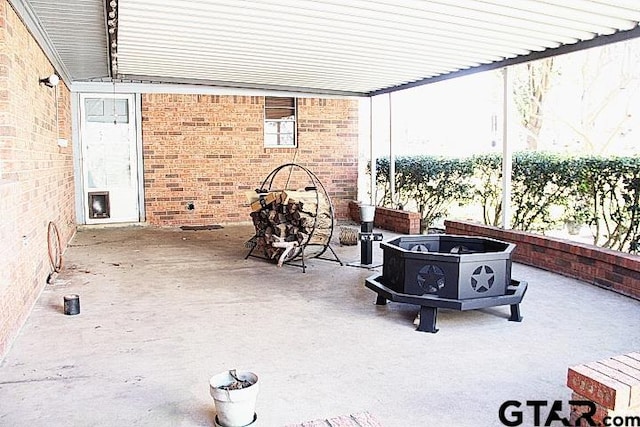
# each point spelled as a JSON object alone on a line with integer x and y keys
{"x": 601, "y": 192}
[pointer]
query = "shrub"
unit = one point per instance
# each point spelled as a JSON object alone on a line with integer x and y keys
{"x": 601, "y": 192}
{"x": 427, "y": 183}
{"x": 608, "y": 192}
{"x": 487, "y": 189}
{"x": 539, "y": 181}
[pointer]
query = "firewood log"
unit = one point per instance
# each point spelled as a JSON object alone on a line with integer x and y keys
{"x": 300, "y": 217}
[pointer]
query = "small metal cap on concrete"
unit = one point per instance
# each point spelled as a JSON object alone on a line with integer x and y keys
{"x": 71, "y": 304}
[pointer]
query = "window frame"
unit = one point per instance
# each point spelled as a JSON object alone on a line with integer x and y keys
{"x": 279, "y": 134}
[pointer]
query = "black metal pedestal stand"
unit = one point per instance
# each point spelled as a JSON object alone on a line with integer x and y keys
{"x": 366, "y": 237}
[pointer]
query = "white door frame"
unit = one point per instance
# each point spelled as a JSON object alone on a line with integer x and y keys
{"x": 135, "y": 114}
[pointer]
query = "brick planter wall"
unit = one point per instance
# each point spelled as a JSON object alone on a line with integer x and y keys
{"x": 610, "y": 269}
{"x": 389, "y": 219}
{"x": 36, "y": 175}
{"x": 208, "y": 149}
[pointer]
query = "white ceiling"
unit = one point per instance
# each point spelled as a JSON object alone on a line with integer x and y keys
{"x": 323, "y": 46}
{"x": 76, "y": 30}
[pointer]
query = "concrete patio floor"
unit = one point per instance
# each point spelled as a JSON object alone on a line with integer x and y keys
{"x": 163, "y": 310}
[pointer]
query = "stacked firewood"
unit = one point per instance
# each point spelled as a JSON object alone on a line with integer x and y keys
{"x": 288, "y": 222}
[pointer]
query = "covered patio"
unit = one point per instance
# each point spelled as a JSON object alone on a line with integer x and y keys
{"x": 162, "y": 310}
{"x": 180, "y": 100}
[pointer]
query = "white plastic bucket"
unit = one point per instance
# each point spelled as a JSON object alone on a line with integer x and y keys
{"x": 367, "y": 213}
{"x": 234, "y": 408}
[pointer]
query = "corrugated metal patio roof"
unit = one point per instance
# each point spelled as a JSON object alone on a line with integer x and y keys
{"x": 359, "y": 47}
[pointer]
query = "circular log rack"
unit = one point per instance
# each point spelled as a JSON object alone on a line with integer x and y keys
{"x": 318, "y": 239}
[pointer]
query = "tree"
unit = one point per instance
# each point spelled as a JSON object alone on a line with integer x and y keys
{"x": 531, "y": 84}
{"x": 592, "y": 107}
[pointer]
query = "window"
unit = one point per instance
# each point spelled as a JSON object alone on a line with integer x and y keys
{"x": 279, "y": 122}
{"x": 107, "y": 110}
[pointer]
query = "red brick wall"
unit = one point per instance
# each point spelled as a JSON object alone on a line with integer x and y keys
{"x": 36, "y": 175}
{"x": 390, "y": 219}
{"x": 615, "y": 270}
{"x": 208, "y": 149}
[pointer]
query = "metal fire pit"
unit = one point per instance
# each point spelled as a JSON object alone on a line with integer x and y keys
{"x": 446, "y": 271}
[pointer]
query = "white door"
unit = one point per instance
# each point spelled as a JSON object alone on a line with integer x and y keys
{"x": 109, "y": 158}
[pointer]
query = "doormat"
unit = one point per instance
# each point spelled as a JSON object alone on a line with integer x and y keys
{"x": 361, "y": 419}
{"x": 200, "y": 227}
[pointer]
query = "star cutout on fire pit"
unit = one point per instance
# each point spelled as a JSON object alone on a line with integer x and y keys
{"x": 431, "y": 278}
{"x": 482, "y": 278}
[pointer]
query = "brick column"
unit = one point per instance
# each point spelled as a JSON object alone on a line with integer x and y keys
{"x": 612, "y": 384}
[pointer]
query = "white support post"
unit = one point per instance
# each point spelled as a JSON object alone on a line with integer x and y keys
{"x": 506, "y": 150}
{"x": 372, "y": 156}
{"x": 392, "y": 160}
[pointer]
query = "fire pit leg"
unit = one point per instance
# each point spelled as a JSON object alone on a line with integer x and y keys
{"x": 515, "y": 313}
{"x": 428, "y": 319}
{"x": 381, "y": 300}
